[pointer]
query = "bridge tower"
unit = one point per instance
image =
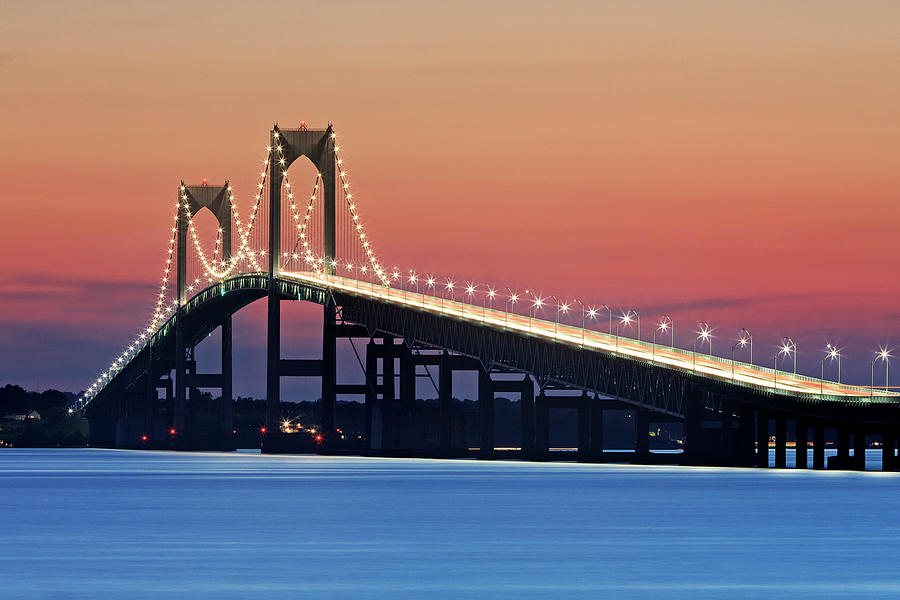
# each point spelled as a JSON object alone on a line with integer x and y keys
{"x": 193, "y": 199}
{"x": 317, "y": 145}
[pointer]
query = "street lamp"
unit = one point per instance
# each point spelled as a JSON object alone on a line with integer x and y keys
{"x": 429, "y": 283}
{"x": 470, "y": 292}
{"x": 491, "y": 294}
{"x": 742, "y": 342}
{"x": 625, "y": 319}
{"x": 608, "y": 310}
{"x": 745, "y": 333}
{"x": 786, "y": 348}
{"x": 581, "y": 305}
{"x": 832, "y": 353}
{"x": 363, "y": 270}
{"x": 537, "y": 302}
{"x": 704, "y": 335}
{"x": 449, "y": 286}
{"x": 791, "y": 347}
{"x": 883, "y": 355}
{"x": 560, "y": 307}
{"x": 355, "y": 270}
{"x": 512, "y": 298}
{"x": 665, "y": 324}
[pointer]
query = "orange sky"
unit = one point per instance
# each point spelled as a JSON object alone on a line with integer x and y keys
{"x": 737, "y": 164}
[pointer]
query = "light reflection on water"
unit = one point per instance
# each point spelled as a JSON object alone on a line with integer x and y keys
{"x": 105, "y": 523}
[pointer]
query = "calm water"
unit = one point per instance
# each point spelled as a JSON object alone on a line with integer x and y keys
{"x": 128, "y": 524}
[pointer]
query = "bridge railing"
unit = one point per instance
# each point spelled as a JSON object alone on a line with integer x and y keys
{"x": 766, "y": 379}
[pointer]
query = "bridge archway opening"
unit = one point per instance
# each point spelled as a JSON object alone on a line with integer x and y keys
{"x": 211, "y": 242}
{"x": 562, "y": 421}
{"x": 508, "y": 420}
{"x": 297, "y": 204}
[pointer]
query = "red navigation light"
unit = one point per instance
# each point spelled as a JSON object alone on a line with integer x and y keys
{"x": 262, "y": 430}
{"x": 234, "y": 432}
{"x": 172, "y": 431}
{"x": 302, "y": 123}
{"x": 143, "y": 438}
{"x": 319, "y": 438}
{"x": 204, "y": 180}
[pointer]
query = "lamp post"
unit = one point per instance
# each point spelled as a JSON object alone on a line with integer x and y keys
{"x": 470, "y": 292}
{"x": 775, "y": 372}
{"x": 581, "y": 306}
{"x": 560, "y": 307}
{"x": 787, "y": 346}
{"x": 414, "y": 279}
{"x": 489, "y": 296}
{"x": 537, "y": 302}
{"x": 608, "y": 310}
{"x": 355, "y": 270}
{"x": 429, "y": 283}
{"x": 665, "y": 324}
{"x": 883, "y": 355}
{"x": 704, "y": 335}
{"x": 791, "y": 347}
{"x": 449, "y": 286}
{"x": 511, "y": 299}
{"x": 592, "y": 314}
{"x": 625, "y": 319}
{"x": 832, "y": 353}
{"x": 746, "y": 333}
{"x": 742, "y": 342}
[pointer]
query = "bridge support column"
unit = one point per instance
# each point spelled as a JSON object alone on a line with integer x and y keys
{"x": 728, "y": 438}
{"x": 413, "y": 439}
{"x": 542, "y": 427}
{"x": 373, "y": 433}
{"x": 272, "y": 438}
{"x": 694, "y": 407}
{"x": 227, "y": 398}
{"x": 818, "y": 445}
{"x": 386, "y": 407}
{"x": 780, "y": 441}
{"x": 859, "y": 449}
{"x": 180, "y": 374}
{"x": 842, "y": 460}
{"x": 329, "y": 378}
{"x": 802, "y": 448}
{"x": 762, "y": 438}
{"x": 445, "y": 402}
{"x": 746, "y": 452}
{"x": 584, "y": 427}
{"x": 150, "y": 398}
{"x": 888, "y": 444}
{"x": 527, "y": 414}
{"x": 641, "y": 435}
{"x": 485, "y": 415}
{"x": 596, "y": 429}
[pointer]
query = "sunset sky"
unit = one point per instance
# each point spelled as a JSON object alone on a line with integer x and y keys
{"x": 736, "y": 163}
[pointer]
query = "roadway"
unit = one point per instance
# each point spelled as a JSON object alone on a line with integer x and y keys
{"x": 737, "y": 372}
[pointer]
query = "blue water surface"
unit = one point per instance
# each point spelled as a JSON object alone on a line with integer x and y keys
{"x": 131, "y": 524}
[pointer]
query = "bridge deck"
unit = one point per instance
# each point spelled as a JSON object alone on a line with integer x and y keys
{"x": 736, "y": 372}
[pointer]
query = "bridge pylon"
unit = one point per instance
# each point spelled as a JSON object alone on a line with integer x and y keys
{"x": 192, "y": 199}
{"x": 317, "y": 145}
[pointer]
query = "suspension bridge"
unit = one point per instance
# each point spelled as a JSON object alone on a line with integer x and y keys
{"x": 310, "y": 245}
